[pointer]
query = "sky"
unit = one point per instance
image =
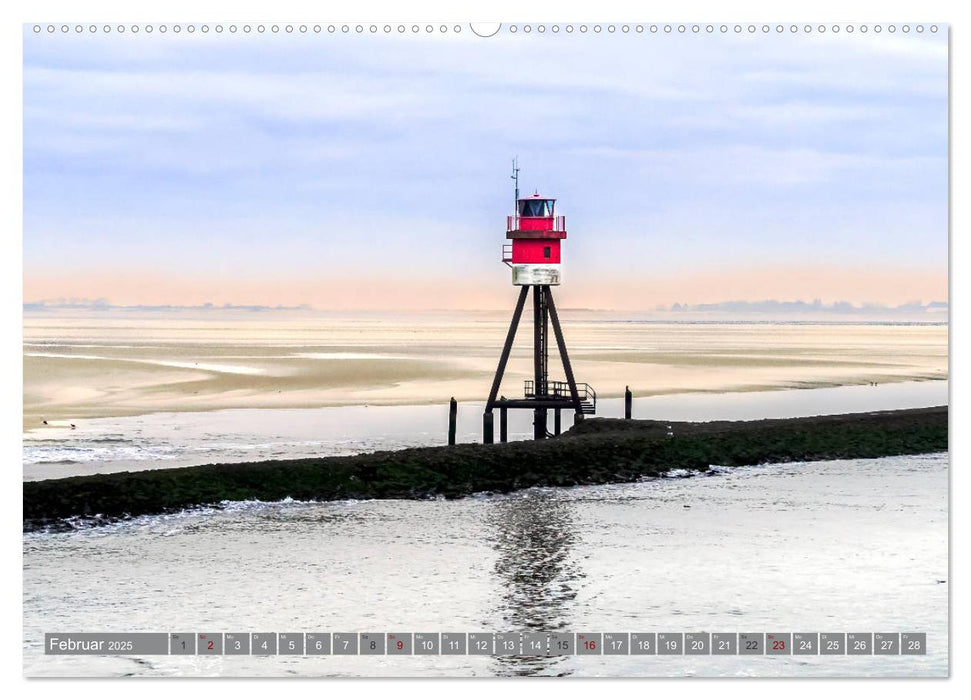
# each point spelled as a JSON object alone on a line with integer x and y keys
{"x": 372, "y": 172}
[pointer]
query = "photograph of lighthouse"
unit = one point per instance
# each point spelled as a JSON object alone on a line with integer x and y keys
{"x": 450, "y": 350}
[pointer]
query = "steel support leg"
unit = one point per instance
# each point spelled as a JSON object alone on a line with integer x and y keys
{"x": 561, "y": 346}
{"x": 539, "y": 359}
{"x": 487, "y": 421}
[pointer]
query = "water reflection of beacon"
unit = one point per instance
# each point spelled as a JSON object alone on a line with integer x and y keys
{"x": 535, "y": 232}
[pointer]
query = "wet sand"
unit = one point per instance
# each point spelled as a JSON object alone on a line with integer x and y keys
{"x": 86, "y": 365}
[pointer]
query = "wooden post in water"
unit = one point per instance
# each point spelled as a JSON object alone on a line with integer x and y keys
{"x": 556, "y": 421}
{"x": 628, "y": 401}
{"x": 503, "y": 434}
{"x": 487, "y": 428}
{"x": 453, "y": 410}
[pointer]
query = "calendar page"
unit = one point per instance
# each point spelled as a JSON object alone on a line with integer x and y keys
{"x": 447, "y": 349}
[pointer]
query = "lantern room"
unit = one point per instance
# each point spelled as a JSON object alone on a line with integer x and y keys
{"x": 535, "y": 232}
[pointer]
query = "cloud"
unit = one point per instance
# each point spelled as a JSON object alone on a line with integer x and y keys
{"x": 257, "y": 155}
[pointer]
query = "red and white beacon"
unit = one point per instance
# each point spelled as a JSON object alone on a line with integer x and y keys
{"x": 535, "y": 231}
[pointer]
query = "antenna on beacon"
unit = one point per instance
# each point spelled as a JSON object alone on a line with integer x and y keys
{"x": 515, "y": 176}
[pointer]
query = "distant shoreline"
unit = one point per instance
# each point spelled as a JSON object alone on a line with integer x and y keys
{"x": 855, "y": 316}
{"x": 596, "y": 451}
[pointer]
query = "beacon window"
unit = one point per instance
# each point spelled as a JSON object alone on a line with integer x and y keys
{"x": 532, "y": 207}
{"x": 536, "y": 207}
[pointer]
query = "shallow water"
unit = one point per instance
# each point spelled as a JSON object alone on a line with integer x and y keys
{"x": 181, "y": 439}
{"x": 853, "y": 545}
